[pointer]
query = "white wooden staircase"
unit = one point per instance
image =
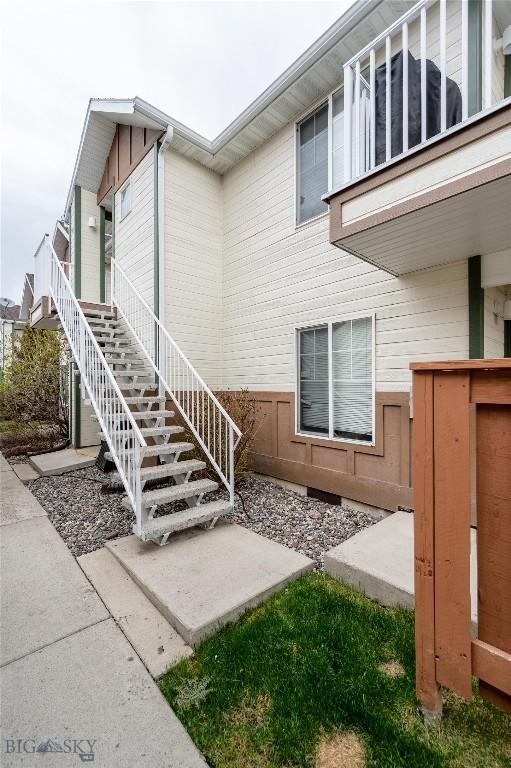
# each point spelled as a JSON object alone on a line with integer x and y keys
{"x": 130, "y": 368}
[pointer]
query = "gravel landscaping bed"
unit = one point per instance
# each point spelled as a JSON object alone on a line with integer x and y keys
{"x": 307, "y": 525}
{"x": 86, "y": 517}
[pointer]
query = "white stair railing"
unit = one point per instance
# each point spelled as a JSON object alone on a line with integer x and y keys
{"x": 120, "y": 430}
{"x": 211, "y": 425}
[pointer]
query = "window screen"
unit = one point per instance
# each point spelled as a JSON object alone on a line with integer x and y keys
{"x": 352, "y": 373}
{"x": 349, "y": 345}
{"x": 312, "y": 164}
{"x": 314, "y": 380}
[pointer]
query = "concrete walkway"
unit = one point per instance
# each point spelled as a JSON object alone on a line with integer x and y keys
{"x": 70, "y": 682}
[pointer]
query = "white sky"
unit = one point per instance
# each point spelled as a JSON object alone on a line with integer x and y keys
{"x": 201, "y": 62}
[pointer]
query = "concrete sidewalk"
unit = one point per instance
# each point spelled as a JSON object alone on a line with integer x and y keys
{"x": 70, "y": 681}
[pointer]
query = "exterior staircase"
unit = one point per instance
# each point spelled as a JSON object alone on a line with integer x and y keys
{"x": 130, "y": 368}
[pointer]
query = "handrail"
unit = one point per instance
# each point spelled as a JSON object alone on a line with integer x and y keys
{"x": 412, "y": 32}
{"x": 121, "y": 432}
{"x": 214, "y": 429}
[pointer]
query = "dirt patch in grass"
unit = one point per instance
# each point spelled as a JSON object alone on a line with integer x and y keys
{"x": 392, "y": 668}
{"x": 344, "y": 750}
{"x": 252, "y": 712}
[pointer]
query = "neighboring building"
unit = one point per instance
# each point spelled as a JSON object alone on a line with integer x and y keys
{"x": 333, "y": 233}
{"x": 10, "y": 329}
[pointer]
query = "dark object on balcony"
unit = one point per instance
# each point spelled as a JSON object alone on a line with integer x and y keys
{"x": 433, "y": 109}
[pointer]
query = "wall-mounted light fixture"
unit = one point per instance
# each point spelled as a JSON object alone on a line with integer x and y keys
{"x": 92, "y": 222}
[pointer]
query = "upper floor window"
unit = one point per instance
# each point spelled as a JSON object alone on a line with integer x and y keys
{"x": 125, "y": 200}
{"x": 312, "y": 164}
{"x": 336, "y": 380}
{"x": 320, "y": 169}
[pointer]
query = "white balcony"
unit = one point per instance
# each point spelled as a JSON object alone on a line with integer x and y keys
{"x": 439, "y": 138}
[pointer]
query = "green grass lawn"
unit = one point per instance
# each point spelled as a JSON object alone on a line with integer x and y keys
{"x": 299, "y": 682}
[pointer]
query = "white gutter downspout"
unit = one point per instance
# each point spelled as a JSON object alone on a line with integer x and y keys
{"x": 166, "y": 141}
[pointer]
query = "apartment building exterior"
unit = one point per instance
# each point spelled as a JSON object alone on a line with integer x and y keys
{"x": 336, "y": 231}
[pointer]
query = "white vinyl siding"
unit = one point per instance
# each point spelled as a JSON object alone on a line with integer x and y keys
{"x": 125, "y": 200}
{"x": 277, "y": 278}
{"x": 134, "y": 235}
{"x": 90, "y": 248}
{"x": 494, "y": 299}
{"x": 193, "y": 263}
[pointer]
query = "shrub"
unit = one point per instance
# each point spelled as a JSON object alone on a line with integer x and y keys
{"x": 243, "y": 409}
{"x": 33, "y": 392}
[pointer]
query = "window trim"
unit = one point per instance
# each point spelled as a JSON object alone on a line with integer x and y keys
{"x": 318, "y": 105}
{"x": 123, "y": 189}
{"x": 329, "y": 322}
{"x": 328, "y": 99}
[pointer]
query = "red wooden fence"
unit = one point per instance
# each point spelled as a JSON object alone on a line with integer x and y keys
{"x": 462, "y": 457}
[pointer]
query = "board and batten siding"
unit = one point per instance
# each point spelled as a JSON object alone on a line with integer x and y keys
{"x": 278, "y": 277}
{"x": 193, "y": 263}
{"x": 134, "y": 234}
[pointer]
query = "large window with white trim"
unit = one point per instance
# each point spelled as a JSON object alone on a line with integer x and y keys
{"x": 336, "y": 379}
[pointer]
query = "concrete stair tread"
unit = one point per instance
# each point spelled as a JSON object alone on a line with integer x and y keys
{"x": 161, "y": 450}
{"x": 171, "y": 469}
{"x": 141, "y": 415}
{"x": 188, "y": 518}
{"x": 177, "y": 492}
{"x": 156, "y": 431}
{"x": 140, "y": 399}
{"x": 153, "y": 638}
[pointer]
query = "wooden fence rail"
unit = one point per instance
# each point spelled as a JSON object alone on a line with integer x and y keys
{"x": 462, "y": 463}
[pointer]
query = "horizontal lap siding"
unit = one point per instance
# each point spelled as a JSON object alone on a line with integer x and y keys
{"x": 277, "y": 277}
{"x": 193, "y": 263}
{"x": 494, "y": 299}
{"x": 134, "y": 235}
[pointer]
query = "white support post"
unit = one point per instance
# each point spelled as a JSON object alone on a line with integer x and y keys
{"x": 488, "y": 53}
{"x": 405, "y": 86}
{"x": 464, "y": 60}
{"x": 357, "y": 119}
{"x": 372, "y": 117}
{"x": 348, "y": 100}
{"x": 388, "y": 102}
{"x": 443, "y": 66}
{"x": 424, "y": 113}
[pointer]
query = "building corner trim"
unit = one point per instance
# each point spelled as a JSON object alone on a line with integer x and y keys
{"x": 475, "y": 309}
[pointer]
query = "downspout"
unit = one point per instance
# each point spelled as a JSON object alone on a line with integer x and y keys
{"x": 165, "y": 143}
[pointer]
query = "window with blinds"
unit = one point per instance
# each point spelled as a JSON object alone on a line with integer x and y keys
{"x": 336, "y": 390}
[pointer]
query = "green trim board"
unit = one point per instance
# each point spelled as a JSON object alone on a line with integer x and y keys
{"x": 475, "y": 309}
{"x": 507, "y": 76}
{"x": 77, "y": 410}
{"x": 475, "y": 59}
{"x": 507, "y": 338}
{"x": 102, "y": 255}
{"x": 77, "y": 255}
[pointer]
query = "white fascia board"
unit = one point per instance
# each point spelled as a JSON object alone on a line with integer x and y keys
{"x": 118, "y": 106}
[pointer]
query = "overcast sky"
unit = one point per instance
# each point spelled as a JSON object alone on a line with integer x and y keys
{"x": 201, "y": 62}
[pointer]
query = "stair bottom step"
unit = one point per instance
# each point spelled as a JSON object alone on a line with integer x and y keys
{"x": 180, "y": 521}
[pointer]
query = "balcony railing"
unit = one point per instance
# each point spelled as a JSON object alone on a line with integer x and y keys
{"x": 442, "y": 67}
